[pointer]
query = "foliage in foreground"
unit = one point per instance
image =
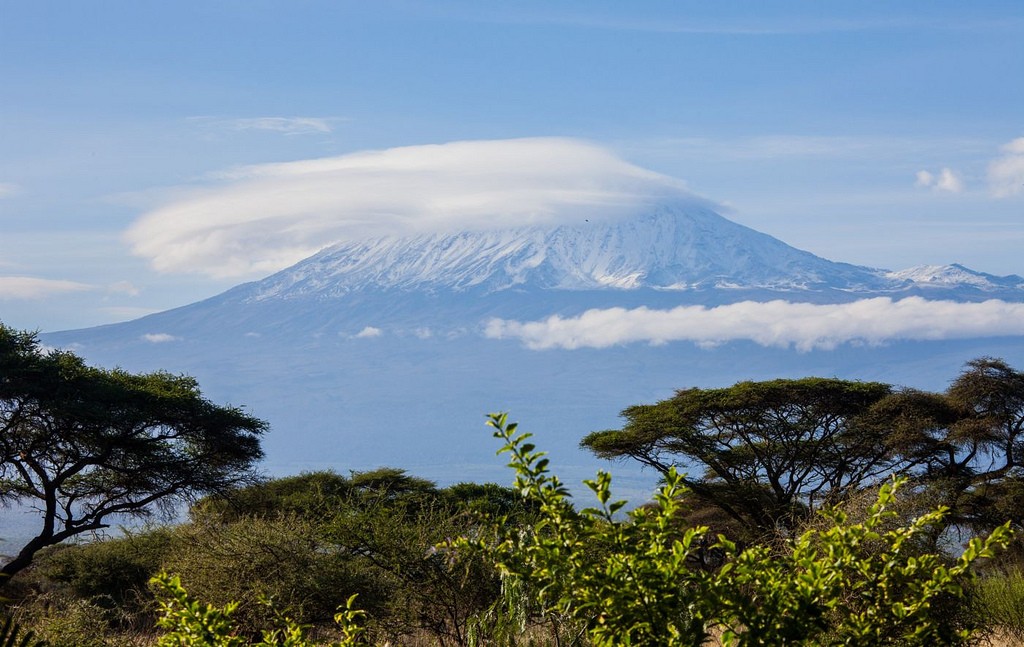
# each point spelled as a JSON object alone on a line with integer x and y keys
{"x": 644, "y": 580}
{"x": 12, "y": 635}
{"x": 192, "y": 623}
{"x": 637, "y": 581}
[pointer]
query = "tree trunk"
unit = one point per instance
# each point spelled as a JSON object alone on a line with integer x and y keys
{"x": 23, "y": 559}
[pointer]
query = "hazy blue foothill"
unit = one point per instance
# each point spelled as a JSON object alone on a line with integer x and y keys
{"x": 384, "y": 351}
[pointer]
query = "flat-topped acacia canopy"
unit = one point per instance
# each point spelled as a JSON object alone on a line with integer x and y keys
{"x": 81, "y": 443}
{"x": 766, "y": 449}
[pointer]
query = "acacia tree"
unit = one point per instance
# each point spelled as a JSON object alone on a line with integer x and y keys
{"x": 766, "y": 451}
{"x": 980, "y": 468}
{"x": 81, "y": 444}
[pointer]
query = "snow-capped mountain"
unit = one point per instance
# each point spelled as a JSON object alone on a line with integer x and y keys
{"x": 955, "y": 275}
{"x": 674, "y": 247}
{"x": 378, "y": 351}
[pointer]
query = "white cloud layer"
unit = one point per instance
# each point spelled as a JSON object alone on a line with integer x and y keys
{"x": 775, "y": 323}
{"x": 263, "y": 218}
{"x": 1006, "y": 174}
{"x": 26, "y": 287}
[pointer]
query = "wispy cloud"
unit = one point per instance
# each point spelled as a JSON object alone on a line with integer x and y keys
{"x": 260, "y": 219}
{"x": 368, "y": 332}
{"x": 26, "y": 287}
{"x": 124, "y": 287}
{"x": 947, "y": 181}
{"x": 423, "y": 333}
{"x": 776, "y": 323}
{"x": 8, "y": 189}
{"x": 159, "y": 338}
{"x": 1006, "y": 174}
{"x": 283, "y": 125}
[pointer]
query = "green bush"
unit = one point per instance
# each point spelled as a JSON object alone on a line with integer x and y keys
{"x": 114, "y": 572}
{"x": 631, "y": 582}
{"x": 66, "y": 621}
{"x": 310, "y": 542}
{"x": 189, "y": 623}
{"x": 247, "y": 560}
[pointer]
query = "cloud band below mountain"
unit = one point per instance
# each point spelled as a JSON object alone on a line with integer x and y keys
{"x": 803, "y": 326}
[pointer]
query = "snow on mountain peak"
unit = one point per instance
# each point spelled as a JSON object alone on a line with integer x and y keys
{"x": 674, "y": 246}
{"x": 954, "y": 275}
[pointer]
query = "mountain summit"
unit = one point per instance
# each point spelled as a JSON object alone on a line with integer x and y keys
{"x": 674, "y": 247}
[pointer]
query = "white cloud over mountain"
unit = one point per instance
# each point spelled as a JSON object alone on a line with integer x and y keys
{"x": 804, "y": 326}
{"x": 260, "y": 219}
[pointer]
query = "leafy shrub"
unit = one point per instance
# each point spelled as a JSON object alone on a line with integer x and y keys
{"x": 315, "y": 495}
{"x": 191, "y": 623}
{"x": 250, "y": 559}
{"x": 631, "y": 582}
{"x": 372, "y": 533}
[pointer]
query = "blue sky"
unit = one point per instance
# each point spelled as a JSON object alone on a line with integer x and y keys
{"x": 884, "y": 134}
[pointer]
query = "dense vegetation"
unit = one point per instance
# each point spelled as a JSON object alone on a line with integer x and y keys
{"x": 819, "y": 511}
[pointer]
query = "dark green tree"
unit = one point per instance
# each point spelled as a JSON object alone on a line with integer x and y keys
{"x": 981, "y": 465}
{"x": 82, "y": 444}
{"x": 963, "y": 448}
{"x": 764, "y": 453}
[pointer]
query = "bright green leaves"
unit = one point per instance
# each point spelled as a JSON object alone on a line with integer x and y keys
{"x": 646, "y": 579}
{"x": 189, "y": 623}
